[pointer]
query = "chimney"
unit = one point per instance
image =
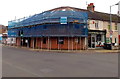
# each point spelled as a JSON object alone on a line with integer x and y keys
{"x": 91, "y": 7}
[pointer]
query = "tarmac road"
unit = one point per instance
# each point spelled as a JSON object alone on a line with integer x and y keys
{"x": 18, "y": 62}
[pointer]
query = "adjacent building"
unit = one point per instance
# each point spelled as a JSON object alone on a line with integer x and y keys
{"x": 99, "y": 28}
{"x": 65, "y": 28}
{"x": 119, "y": 20}
{"x": 3, "y": 34}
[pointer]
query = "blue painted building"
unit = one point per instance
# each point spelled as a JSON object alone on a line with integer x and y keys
{"x": 61, "y": 28}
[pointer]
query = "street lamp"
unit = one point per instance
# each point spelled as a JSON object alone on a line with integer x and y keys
{"x": 111, "y": 23}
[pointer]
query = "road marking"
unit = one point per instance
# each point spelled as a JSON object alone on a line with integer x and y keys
{"x": 46, "y": 70}
{"x": 20, "y": 68}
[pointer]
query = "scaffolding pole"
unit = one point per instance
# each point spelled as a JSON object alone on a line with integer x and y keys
{"x": 33, "y": 43}
{"x": 85, "y": 43}
{"x": 72, "y": 43}
{"x": 76, "y": 43}
{"x": 28, "y": 43}
{"x": 58, "y": 43}
{"x": 22, "y": 40}
{"x": 41, "y": 43}
{"x": 48, "y": 42}
{"x": 68, "y": 44}
{"x": 80, "y": 43}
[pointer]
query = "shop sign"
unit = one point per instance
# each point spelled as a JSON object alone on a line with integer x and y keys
{"x": 96, "y": 33}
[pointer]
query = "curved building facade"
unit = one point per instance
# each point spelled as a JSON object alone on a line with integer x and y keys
{"x": 63, "y": 28}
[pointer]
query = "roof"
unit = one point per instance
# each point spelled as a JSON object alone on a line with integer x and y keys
{"x": 72, "y": 14}
{"x": 54, "y": 16}
{"x": 92, "y": 15}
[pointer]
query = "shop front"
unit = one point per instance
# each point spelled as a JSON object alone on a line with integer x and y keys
{"x": 96, "y": 38}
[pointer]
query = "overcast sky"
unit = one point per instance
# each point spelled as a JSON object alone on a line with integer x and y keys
{"x": 9, "y": 9}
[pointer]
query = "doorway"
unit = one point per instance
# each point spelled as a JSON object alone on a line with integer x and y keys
{"x": 93, "y": 41}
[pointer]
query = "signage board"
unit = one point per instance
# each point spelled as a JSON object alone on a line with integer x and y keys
{"x": 63, "y": 20}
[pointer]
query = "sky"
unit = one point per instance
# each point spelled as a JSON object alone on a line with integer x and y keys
{"x": 11, "y": 9}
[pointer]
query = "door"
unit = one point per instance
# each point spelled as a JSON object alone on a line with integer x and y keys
{"x": 89, "y": 40}
{"x": 93, "y": 41}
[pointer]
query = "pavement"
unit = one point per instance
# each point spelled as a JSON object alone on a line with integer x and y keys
{"x": 71, "y": 51}
{"x": 19, "y": 62}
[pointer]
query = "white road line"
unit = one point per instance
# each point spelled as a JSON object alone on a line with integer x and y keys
{"x": 20, "y": 68}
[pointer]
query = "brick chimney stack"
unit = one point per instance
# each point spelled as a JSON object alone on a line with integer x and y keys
{"x": 91, "y": 7}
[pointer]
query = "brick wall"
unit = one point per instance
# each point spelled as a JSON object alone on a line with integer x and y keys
{"x": 52, "y": 43}
{"x": 18, "y": 41}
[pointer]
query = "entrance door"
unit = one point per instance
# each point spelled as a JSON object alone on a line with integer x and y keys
{"x": 93, "y": 41}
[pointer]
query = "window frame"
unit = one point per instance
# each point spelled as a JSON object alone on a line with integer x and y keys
{"x": 44, "y": 40}
{"x": 60, "y": 40}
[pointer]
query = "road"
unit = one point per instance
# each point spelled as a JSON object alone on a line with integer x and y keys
{"x": 18, "y": 62}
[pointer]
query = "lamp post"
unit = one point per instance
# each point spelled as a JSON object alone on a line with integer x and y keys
{"x": 111, "y": 24}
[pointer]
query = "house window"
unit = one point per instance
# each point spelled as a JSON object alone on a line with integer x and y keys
{"x": 115, "y": 27}
{"x": 77, "y": 40}
{"x": 115, "y": 40}
{"x": 61, "y": 40}
{"x": 96, "y": 25}
{"x": 44, "y": 40}
{"x": 12, "y": 39}
{"x": 108, "y": 27}
{"x": 99, "y": 38}
{"x": 20, "y": 33}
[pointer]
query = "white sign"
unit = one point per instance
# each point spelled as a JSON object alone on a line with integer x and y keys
{"x": 63, "y": 20}
{"x": 26, "y": 41}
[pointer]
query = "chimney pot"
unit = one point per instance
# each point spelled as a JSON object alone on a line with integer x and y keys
{"x": 91, "y": 3}
{"x": 91, "y": 7}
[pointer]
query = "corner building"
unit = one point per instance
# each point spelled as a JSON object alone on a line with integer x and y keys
{"x": 63, "y": 28}
{"x": 66, "y": 28}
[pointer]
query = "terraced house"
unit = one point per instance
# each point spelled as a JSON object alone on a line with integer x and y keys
{"x": 119, "y": 20}
{"x": 65, "y": 28}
